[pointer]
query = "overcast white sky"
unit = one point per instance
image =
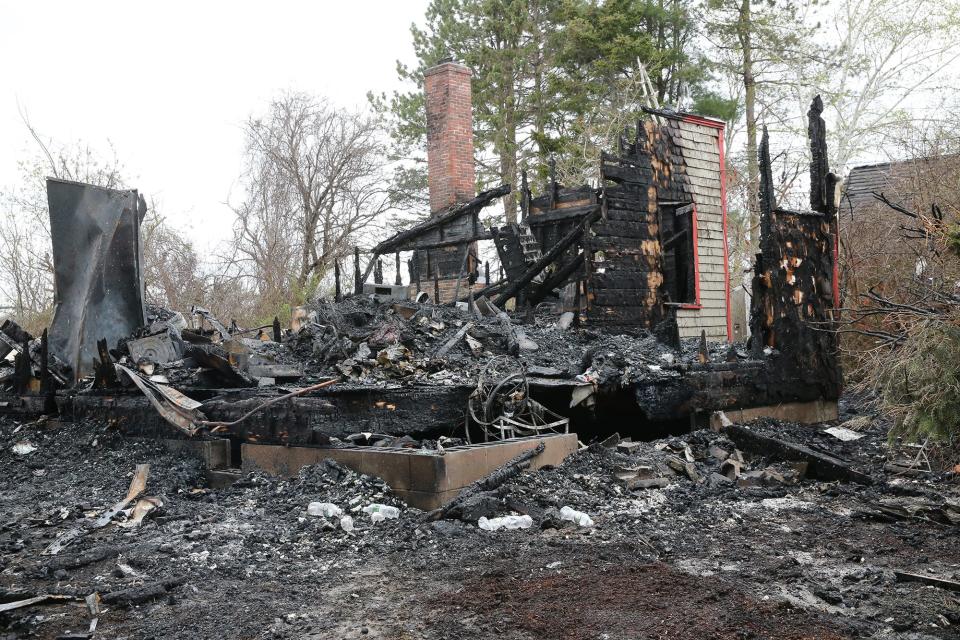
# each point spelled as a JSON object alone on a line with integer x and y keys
{"x": 169, "y": 84}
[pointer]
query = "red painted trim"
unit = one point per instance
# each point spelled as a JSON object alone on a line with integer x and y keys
{"x": 707, "y": 122}
{"x": 723, "y": 209}
{"x": 836, "y": 265}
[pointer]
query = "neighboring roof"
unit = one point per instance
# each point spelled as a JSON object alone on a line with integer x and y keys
{"x": 896, "y": 180}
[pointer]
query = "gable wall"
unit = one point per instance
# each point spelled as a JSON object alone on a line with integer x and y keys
{"x": 699, "y": 152}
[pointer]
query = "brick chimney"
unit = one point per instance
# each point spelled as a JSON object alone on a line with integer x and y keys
{"x": 449, "y": 135}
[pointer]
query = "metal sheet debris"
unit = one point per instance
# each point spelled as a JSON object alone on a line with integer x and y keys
{"x": 97, "y": 269}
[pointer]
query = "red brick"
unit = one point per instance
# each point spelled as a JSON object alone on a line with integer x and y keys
{"x": 449, "y": 135}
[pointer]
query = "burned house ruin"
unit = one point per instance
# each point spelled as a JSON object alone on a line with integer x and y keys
{"x": 635, "y": 335}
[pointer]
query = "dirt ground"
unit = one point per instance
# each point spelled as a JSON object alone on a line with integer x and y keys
{"x": 697, "y": 559}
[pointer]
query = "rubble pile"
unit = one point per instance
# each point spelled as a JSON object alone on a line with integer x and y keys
{"x": 840, "y": 554}
{"x": 366, "y": 341}
{"x": 363, "y": 341}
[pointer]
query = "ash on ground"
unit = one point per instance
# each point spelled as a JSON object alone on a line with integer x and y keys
{"x": 692, "y": 537}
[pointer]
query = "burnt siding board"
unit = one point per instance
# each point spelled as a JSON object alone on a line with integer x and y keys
{"x": 445, "y": 261}
{"x": 792, "y": 303}
{"x": 549, "y": 235}
{"x": 420, "y": 411}
{"x": 564, "y": 197}
{"x": 624, "y": 266}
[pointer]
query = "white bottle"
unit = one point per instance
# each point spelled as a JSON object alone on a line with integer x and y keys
{"x": 505, "y": 522}
{"x": 324, "y": 509}
{"x": 577, "y": 517}
{"x": 388, "y": 512}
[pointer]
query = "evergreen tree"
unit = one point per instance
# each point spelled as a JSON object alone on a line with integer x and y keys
{"x": 549, "y": 76}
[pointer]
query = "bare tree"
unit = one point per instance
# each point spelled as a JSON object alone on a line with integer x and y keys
{"x": 894, "y": 60}
{"x": 265, "y": 247}
{"x": 26, "y": 285}
{"x": 174, "y": 274}
{"x": 314, "y": 180}
{"x": 26, "y": 263}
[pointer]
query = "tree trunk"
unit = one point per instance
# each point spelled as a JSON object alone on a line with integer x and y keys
{"x": 508, "y": 139}
{"x": 750, "y": 105}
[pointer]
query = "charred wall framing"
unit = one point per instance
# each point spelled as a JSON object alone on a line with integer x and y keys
{"x": 792, "y": 308}
{"x": 441, "y": 242}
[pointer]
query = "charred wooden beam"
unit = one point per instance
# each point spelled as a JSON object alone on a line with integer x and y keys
{"x": 489, "y": 290}
{"x": 46, "y": 381}
{"x": 277, "y": 333}
{"x": 358, "y": 278}
{"x": 106, "y": 374}
{"x": 424, "y": 246}
{"x": 23, "y": 369}
{"x": 820, "y": 465}
{"x": 337, "y": 294}
{"x": 822, "y": 182}
{"x": 556, "y": 215}
{"x": 792, "y": 303}
{"x": 768, "y": 197}
{"x": 11, "y": 337}
{"x": 397, "y": 242}
{"x": 548, "y": 258}
{"x": 507, "y": 241}
{"x": 557, "y": 279}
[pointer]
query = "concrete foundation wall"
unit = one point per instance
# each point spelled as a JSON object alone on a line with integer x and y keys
{"x": 425, "y": 480}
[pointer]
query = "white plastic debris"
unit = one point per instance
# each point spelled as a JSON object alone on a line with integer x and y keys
{"x": 722, "y": 419}
{"x": 667, "y": 357}
{"x": 376, "y": 517}
{"x": 505, "y": 522}
{"x": 385, "y": 512}
{"x": 578, "y": 517}
{"x": 324, "y": 509}
{"x": 346, "y": 523}
{"x": 842, "y": 433}
{"x": 23, "y": 448}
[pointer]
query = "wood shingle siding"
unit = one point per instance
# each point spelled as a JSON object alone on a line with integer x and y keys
{"x": 699, "y": 155}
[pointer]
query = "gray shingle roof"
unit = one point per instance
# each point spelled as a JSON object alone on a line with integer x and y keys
{"x": 896, "y": 180}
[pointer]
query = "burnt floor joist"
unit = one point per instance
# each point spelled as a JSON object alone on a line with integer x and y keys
{"x": 642, "y": 409}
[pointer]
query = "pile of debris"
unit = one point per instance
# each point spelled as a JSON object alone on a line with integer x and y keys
{"x": 370, "y": 342}
{"x": 753, "y": 510}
